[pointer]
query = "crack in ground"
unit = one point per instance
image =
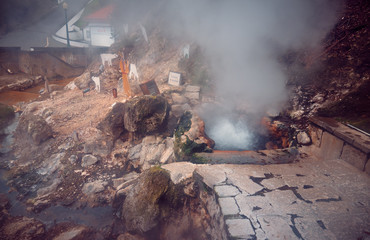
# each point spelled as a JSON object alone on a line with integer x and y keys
{"x": 294, "y": 190}
{"x": 329, "y": 199}
{"x": 258, "y": 180}
{"x": 293, "y": 227}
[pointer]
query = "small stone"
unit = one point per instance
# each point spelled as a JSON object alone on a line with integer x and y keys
{"x": 88, "y": 160}
{"x": 303, "y": 138}
{"x": 73, "y": 159}
{"x": 94, "y": 187}
{"x": 178, "y": 99}
{"x": 191, "y": 88}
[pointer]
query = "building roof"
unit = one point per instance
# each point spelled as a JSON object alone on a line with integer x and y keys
{"x": 102, "y": 14}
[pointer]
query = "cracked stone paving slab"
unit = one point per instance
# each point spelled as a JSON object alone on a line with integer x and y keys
{"x": 311, "y": 199}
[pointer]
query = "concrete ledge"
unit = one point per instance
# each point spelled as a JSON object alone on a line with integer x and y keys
{"x": 334, "y": 140}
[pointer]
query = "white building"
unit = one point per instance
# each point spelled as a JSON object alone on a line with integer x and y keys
{"x": 98, "y": 31}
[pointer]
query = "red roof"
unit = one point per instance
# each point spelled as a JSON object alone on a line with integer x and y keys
{"x": 102, "y": 14}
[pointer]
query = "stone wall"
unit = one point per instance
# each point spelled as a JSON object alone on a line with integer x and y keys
{"x": 50, "y": 62}
{"x": 333, "y": 140}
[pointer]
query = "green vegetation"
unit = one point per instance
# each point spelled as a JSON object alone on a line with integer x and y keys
{"x": 186, "y": 151}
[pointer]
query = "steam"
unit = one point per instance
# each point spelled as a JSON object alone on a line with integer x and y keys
{"x": 242, "y": 40}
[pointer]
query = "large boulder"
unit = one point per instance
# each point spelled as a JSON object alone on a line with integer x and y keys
{"x": 35, "y": 127}
{"x": 83, "y": 80}
{"x": 113, "y": 123}
{"x": 150, "y": 200}
{"x": 146, "y": 114}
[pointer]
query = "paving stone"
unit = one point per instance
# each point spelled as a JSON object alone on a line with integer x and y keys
{"x": 226, "y": 191}
{"x": 240, "y": 228}
{"x": 228, "y": 206}
{"x": 310, "y": 228}
{"x": 254, "y": 205}
{"x": 354, "y": 157}
{"x": 244, "y": 183}
{"x": 273, "y": 183}
{"x": 277, "y": 227}
{"x": 213, "y": 174}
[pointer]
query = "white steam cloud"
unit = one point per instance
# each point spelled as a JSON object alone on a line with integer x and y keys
{"x": 242, "y": 40}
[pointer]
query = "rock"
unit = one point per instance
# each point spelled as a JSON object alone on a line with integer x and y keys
{"x": 194, "y": 131}
{"x": 178, "y": 99}
{"x": 73, "y": 159}
{"x": 303, "y": 138}
{"x": 36, "y": 127}
{"x": 297, "y": 114}
{"x": 94, "y": 187}
{"x": 52, "y": 164}
{"x": 70, "y": 231}
{"x": 191, "y": 88}
{"x": 22, "y": 228}
{"x": 128, "y": 236}
{"x": 42, "y": 192}
{"x": 180, "y": 171}
{"x": 142, "y": 209}
{"x": 88, "y": 160}
{"x": 179, "y": 110}
{"x": 4, "y": 202}
{"x": 168, "y": 155}
{"x": 70, "y": 86}
{"x": 146, "y": 114}
{"x": 113, "y": 123}
{"x": 83, "y": 80}
{"x": 192, "y": 95}
{"x": 100, "y": 146}
{"x": 74, "y": 233}
{"x": 134, "y": 152}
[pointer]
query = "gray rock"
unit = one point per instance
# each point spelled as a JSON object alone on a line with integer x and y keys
{"x": 141, "y": 209}
{"x": 88, "y": 160}
{"x": 100, "y": 146}
{"x": 73, "y": 159}
{"x": 303, "y": 138}
{"x": 52, "y": 164}
{"x": 77, "y": 232}
{"x": 191, "y": 88}
{"x": 192, "y": 95}
{"x": 36, "y": 127}
{"x": 113, "y": 123}
{"x": 178, "y": 99}
{"x": 83, "y": 81}
{"x": 94, "y": 187}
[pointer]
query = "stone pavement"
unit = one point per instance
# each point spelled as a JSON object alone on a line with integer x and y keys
{"x": 308, "y": 199}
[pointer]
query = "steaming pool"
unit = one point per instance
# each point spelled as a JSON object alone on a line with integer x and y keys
{"x": 234, "y": 131}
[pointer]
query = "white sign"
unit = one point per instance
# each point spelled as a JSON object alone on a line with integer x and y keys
{"x": 107, "y": 58}
{"x": 133, "y": 72}
{"x": 97, "y": 83}
{"x": 174, "y": 79}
